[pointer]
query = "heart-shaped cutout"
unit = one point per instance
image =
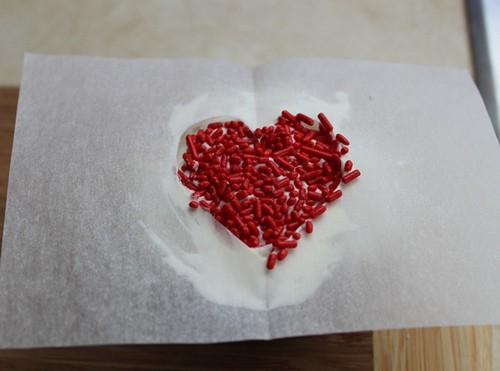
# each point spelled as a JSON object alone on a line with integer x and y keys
{"x": 267, "y": 185}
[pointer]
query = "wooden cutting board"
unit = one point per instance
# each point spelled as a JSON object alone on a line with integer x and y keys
{"x": 448, "y": 348}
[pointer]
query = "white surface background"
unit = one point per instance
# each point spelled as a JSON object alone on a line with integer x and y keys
{"x": 78, "y": 268}
{"x": 248, "y": 32}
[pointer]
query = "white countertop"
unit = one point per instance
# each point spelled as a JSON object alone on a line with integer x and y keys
{"x": 430, "y": 32}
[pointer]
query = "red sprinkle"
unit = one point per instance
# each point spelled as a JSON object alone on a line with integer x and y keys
{"x": 309, "y": 227}
{"x": 204, "y": 204}
{"x": 287, "y": 115}
{"x": 325, "y": 122}
{"x": 305, "y": 119}
{"x": 191, "y": 143}
{"x": 264, "y": 185}
{"x": 348, "y": 165}
{"x": 271, "y": 261}
{"x": 282, "y": 254}
{"x": 351, "y": 176}
{"x": 340, "y": 138}
{"x": 281, "y": 161}
{"x": 317, "y": 211}
{"x": 334, "y": 195}
{"x": 283, "y": 152}
{"x": 317, "y": 152}
{"x": 286, "y": 244}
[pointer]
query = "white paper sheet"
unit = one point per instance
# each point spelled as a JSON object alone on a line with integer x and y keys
{"x": 99, "y": 246}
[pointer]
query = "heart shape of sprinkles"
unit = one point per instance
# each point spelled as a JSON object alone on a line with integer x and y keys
{"x": 268, "y": 185}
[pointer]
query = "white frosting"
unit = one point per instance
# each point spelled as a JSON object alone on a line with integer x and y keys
{"x": 221, "y": 267}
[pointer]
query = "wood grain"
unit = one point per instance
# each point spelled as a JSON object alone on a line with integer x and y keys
{"x": 330, "y": 352}
{"x": 8, "y": 107}
{"x": 440, "y": 348}
{"x": 448, "y": 348}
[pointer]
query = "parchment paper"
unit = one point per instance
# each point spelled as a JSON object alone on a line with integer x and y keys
{"x": 98, "y": 249}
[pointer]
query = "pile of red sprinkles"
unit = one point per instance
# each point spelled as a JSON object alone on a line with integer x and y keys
{"x": 267, "y": 185}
